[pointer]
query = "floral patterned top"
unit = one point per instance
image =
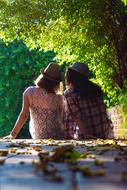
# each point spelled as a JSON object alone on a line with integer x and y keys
{"x": 45, "y": 113}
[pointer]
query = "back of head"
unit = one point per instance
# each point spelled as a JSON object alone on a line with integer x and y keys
{"x": 78, "y": 77}
{"x": 53, "y": 72}
{"x": 81, "y": 68}
{"x": 50, "y": 78}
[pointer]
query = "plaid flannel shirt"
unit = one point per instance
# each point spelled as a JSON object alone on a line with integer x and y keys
{"x": 91, "y": 111}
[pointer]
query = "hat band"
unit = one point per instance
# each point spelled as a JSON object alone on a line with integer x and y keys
{"x": 51, "y": 78}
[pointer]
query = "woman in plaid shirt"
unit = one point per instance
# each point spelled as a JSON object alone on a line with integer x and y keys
{"x": 85, "y": 112}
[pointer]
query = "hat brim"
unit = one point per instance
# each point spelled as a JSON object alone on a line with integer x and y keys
{"x": 51, "y": 78}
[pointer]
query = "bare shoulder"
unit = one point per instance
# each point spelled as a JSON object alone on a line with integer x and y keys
{"x": 29, "y": 90}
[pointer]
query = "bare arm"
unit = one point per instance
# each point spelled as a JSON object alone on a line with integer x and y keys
{"x": 22, "y": 117}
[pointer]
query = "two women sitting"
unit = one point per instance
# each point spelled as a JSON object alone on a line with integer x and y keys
{"x": 79, "y": 113}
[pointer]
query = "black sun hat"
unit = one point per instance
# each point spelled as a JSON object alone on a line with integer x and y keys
{"x": 81, "y": 68}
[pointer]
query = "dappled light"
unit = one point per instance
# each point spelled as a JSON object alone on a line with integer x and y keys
{"x": 63, "y": 94}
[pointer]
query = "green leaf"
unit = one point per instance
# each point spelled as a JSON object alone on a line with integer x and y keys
{"x": 125, "y": 2}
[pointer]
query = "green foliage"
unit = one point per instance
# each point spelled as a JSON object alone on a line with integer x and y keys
{"x": 19, "y": 66}
{"x": 87, "y": 30}
{"x": 124, "y": 1}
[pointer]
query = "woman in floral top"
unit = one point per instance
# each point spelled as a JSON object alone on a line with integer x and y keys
{"x": 44, "y": 105}
{"x": 85, "y": 113}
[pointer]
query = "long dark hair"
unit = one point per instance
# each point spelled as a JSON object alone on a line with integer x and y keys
{"x": 82, "y": 85}
{"x": 49, "y": 85}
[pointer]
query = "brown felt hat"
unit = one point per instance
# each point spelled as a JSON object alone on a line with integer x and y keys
{"x": 81, "y": 68}
{"x": 52, "y": 72}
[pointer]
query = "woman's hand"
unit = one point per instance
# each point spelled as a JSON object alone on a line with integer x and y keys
{"x": 8, "y": 137}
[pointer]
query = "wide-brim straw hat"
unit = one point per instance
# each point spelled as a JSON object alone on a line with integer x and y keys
{"x": 81, "y": 68}
{"x": 52, "y": 72}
